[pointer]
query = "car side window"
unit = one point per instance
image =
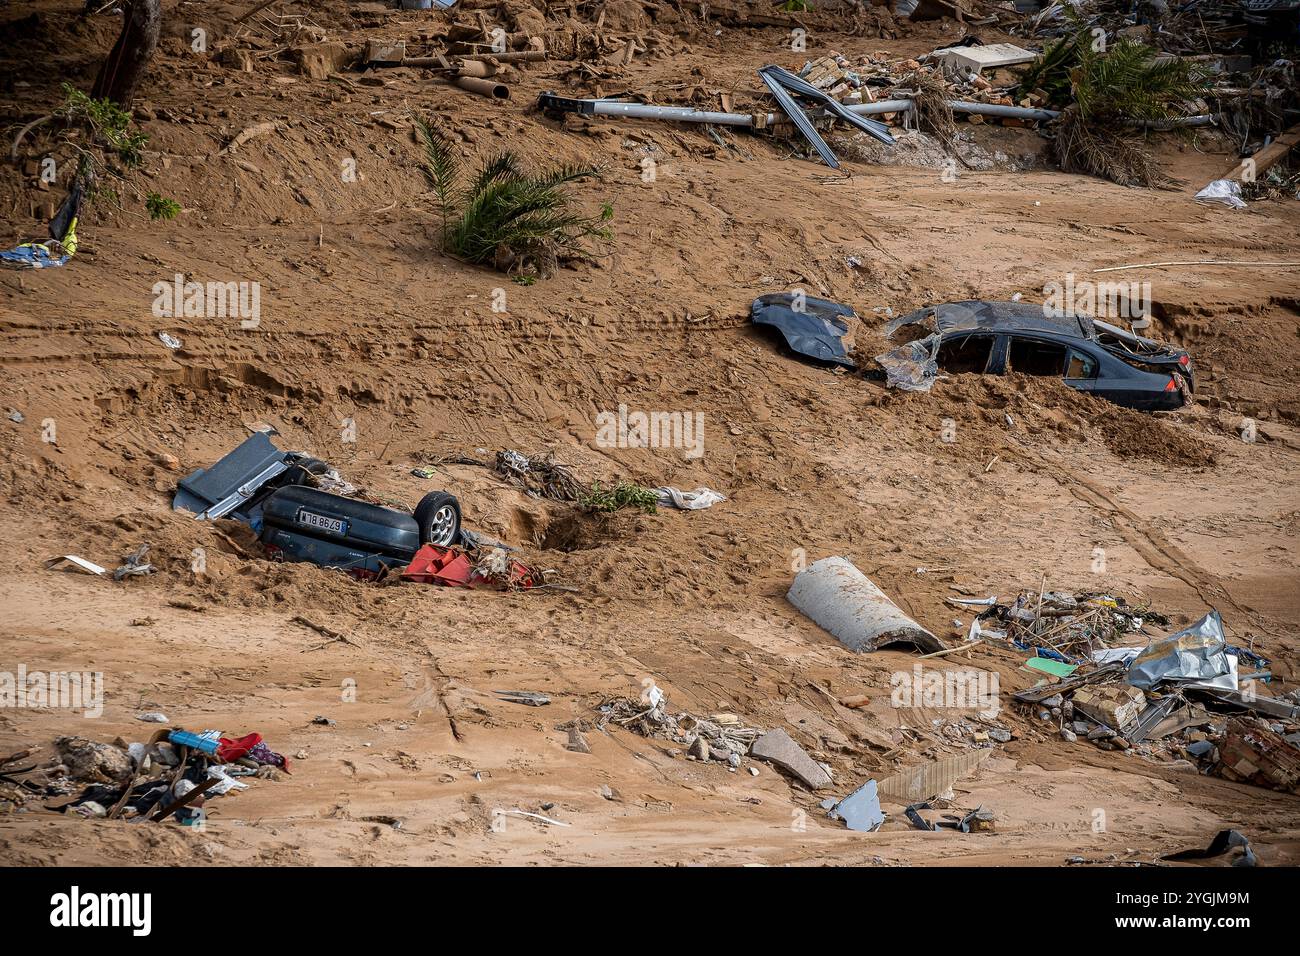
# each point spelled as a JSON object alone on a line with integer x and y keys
{"x": 969, "y": 353}
{"x": 1033, "y": 357}
{"x": 1081, "y": 366}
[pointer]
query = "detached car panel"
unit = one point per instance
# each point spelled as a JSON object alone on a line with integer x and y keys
{"x": 810, "y": 326}
{"x": 236, "y": 484}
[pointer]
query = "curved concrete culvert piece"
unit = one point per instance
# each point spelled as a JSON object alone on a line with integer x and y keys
{"x": 841, "y": 599}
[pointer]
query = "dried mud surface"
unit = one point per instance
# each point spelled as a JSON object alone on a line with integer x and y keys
{"x": 362, "y": 319}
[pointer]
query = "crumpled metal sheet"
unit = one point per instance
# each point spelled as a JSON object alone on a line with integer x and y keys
{"x": 813, "y": 327}
{"x": 1195, "y": 654}
{"x": 860, "y": 810}
{"x": 912, "y": 367}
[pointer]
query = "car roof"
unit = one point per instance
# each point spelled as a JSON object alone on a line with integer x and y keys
{"x": 978, "y": 315}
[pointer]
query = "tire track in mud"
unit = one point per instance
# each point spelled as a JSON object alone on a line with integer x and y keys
{"x": 435, "y": 682}
{"x": 1151, "y": 545}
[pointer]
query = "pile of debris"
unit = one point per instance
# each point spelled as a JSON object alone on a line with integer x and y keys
{"x": 1184, "y": 695}
{"x": 720, "y": 737}
{"x": 1056, "y": 625}
{"x": 170, "y": 776}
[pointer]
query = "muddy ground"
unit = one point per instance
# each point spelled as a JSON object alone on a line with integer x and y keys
{"x": 362, "y": 320}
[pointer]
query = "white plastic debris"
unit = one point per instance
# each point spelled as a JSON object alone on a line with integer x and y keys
{"x": 225, "y": 783}
{"x": 169, "y": 340}
{"x": 1226, "y": 191}
{"x": 79, "y": 562}
{"x": 153, "y": 718}
{"x": 689, "y": 500}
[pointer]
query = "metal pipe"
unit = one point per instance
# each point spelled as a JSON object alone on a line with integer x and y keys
{"x": 476, "y": 68}
{"x": 514, "y": 56}
{"x": 884, "y": 106}
{"x": 497, "y": 91}
{"x": 679, "y": 114}
{"x": 995, "y": 109}
{"x": 1177, "y": 122}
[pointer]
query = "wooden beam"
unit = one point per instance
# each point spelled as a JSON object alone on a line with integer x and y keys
{"x": 1267, "y": 157}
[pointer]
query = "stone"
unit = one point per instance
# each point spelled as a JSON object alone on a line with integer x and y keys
{"x": 778, "y": 747}
{"x": 237, "y": 59}
{"x": 92, "y": 761}
{"x": 1068, "y": 734}
{"x": 319, "y": 60}
{"x": 699, "y": 749}
{"x": 986, "y": 56}
{"x": 1001, "y": 735}
{"x": 577, "y": 742}
{"x": 1116, "y": 706}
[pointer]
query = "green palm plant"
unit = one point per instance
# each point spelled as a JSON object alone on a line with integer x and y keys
{"x": 506, "y": 216}
{"x": 1113, "y": 91}
{"x": 1103, "y": 94}
{"x": 1128, "y": 82}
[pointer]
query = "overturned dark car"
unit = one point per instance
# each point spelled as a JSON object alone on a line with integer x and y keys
{"x": 998, "y": 337}
{"x": 278, "y": 495}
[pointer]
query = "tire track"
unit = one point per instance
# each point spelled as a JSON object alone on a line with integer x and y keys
{"x": 1151, "y": 544}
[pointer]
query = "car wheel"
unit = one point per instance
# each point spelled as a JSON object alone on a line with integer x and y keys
{"x": 301, "y": 472}
{"x": 438, "y": 515}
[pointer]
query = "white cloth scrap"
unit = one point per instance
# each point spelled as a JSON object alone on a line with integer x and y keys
{"x": 689, "y": 500}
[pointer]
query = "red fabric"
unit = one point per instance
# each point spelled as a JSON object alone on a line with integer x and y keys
{"x": 231, "y": 750}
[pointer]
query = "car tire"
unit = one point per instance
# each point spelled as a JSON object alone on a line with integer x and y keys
{"x": 301, "y": 472}
{"x": 438, "y": 515}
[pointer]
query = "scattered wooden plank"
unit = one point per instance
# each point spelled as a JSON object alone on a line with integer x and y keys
{"x": 1267, "y": 157}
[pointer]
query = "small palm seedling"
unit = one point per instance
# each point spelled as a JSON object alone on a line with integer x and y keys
{"x": 515, "y": 220}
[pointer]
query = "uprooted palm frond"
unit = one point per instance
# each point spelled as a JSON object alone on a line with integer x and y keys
{"x": 507, "y": 216}
{"x": 930, "y": 109}
{"x": 1111, "y": 152}
{"x": 1050, "y": 73}
{"x": 1129, "y": 82}
{"x": 1106, "y": 95}
{"x": 441, "y": 168}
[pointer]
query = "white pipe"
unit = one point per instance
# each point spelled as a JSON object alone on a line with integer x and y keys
{"x": 681, "y": 114}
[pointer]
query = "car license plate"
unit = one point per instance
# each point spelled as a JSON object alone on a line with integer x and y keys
{"x": 335, "y": 525}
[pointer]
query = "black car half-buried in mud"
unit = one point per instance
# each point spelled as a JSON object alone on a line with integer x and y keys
{"x": 1086, "y": 353}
